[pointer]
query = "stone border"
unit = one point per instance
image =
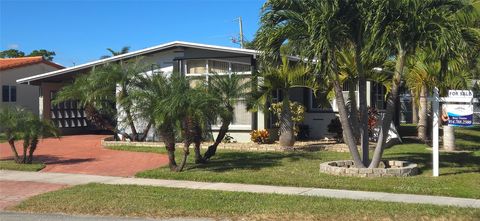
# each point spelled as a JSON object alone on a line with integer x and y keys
{"x": 392, "y": 168}
{"x": 318, "y": 145}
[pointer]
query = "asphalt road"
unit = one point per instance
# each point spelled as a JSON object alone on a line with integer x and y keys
{"x": 13, "y": 216}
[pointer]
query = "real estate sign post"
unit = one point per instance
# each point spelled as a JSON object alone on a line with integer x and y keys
{"x": 458, "y": 107}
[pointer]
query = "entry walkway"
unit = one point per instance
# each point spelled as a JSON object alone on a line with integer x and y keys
{"x": 77, "y": 179}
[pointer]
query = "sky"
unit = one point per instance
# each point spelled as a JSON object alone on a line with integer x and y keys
{"x": 80, "y": 31}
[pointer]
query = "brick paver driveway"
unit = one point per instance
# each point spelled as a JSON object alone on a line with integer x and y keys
{"x": 84, "y": 154}
{"x": 13, "y": 192}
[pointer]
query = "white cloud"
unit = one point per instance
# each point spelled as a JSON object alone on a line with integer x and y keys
{"x": 13, "y": 46}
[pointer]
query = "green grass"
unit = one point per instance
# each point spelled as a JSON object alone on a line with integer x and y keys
{"x": 11, "y": 165}
{"x": 460, "y": 172}
{"x": 466, "y": 138}
{"x": 160, "y": 202}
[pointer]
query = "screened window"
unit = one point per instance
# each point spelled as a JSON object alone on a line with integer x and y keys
{"x": 196, "y": 66}
{"x": 9, "y": 93}
{"x": 241, "y": 115}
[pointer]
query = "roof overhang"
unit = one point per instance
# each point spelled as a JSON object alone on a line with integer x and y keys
{"x": 132, "y": 54}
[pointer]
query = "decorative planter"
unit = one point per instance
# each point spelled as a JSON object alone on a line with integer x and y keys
{"x": 392, "y": 168}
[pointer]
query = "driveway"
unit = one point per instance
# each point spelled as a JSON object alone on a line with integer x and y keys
{"x": 85, "y": 155}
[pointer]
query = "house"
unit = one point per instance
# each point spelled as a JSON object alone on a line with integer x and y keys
{"x": 195, "y": 61}
{"x": 25, "y": 95}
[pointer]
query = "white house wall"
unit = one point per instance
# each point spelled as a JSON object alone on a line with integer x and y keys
{"x": 27, "y": 95}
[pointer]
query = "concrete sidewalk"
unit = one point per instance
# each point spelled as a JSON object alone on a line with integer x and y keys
{"x": 77, "y": 179}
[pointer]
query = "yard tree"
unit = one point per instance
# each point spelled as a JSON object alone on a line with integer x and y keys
{"x": 324, "y": 28}
{"x": 18, "y": 123}
{"x": 47, "y": 55}
{"x": 283, "y": 77}
{"x": 228, "y": 90}
{"x": 123, "y": 50}
{"x": 12, "y": 53}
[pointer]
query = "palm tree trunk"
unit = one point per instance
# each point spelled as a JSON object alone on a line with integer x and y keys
{"x": 186, "y": 152}
{"x": 11, "y": 142}
{"x": 449, "y": 138}
{"x": 168, "y": 137}
{"x": 33, "y": 147}
{"x": 353, "y": 108}
{"x": 362, "y": 96}
{"x": 145, "y": 131}
{"x": 287, "y": 138}
{"x": 197, "y": 141}
{"x": 349, "y": 138}
{"x": 26, "y": 143}
{"x": 131, "y": 123}
{"x": 387, "y": 119}
{"x": 212, "y": 149}
{"x": 414, "y": 110}
{"x": 422, "y": 121}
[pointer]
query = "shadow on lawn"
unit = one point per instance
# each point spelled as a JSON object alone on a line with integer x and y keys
{"x": 250, "y": 161}
{"x": 464, "y": 162}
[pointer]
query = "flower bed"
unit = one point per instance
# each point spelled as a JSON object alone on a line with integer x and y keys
{"x": 386, "y": 169}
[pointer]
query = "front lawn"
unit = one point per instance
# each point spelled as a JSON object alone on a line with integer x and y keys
{"x": 460, "y": 172}
{"x": 161, "y": 202}
{"x": 11, "y": 165}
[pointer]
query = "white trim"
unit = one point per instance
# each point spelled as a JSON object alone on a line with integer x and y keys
{"x": 137, "y": 53}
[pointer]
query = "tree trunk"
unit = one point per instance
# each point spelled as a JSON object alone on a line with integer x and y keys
{"x": 197, "y": 141}
{"x": 362, "y": 96}
{"x": 26, "y": 144}
{"x": 11, "y": 142}
{"x": 145, "y": 131}
{"x": 353, "y": 113}
{"x": 186, "y": 152}
{"x": 342, "y": 111}
{"x": 414, "y": 110}
{"x": 33, "y": 147}
{"x": 387, "y": 119}
{"x": 449, "y": 138}
{"x": 212, "y": 149}
{"x": 287, "y": 136}
{"x": 422, "y": 121}
{"x": 166, "y": 132}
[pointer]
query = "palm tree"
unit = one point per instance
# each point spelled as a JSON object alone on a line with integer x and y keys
{"x": 420, "y": 78}
{"x": 123, "y": 50}
{"x": 228, "y": 90}
{"x": 19, "y": 123}
{"x": 325, "y": 27}
{"x": 284, "y": 77}
{"x": 96, "y": 92}
{"x": 176, "y": 108}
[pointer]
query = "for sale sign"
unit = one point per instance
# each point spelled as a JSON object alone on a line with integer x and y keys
{"x": 459, "y": 115}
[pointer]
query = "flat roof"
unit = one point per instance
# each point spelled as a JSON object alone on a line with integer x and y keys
{"x": 137, "y": 53}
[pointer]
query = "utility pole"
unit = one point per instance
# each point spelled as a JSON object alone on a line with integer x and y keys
{"x": 241, "y": 31}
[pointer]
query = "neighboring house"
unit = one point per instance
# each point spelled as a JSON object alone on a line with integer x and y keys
{"x": 12, "y": 69}
{"x": 195, "y": 61}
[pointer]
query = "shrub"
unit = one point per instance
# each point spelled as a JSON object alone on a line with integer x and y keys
{"x": 260, "y": 136}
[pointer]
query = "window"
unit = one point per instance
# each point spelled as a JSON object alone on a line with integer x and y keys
{"x": 196, "y": 66}
{"x": 315, "y": 105}
{"x": 241, "y": 116}
{"x": 238, "y": 68}
{"x": 378, "y": 96}
{"x": 9, "y": 93}
{"x": 218, "y": 66}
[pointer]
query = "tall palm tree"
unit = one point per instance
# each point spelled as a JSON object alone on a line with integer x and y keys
{"x": 228, "y": 90}
{"x": 284, "y": 77}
